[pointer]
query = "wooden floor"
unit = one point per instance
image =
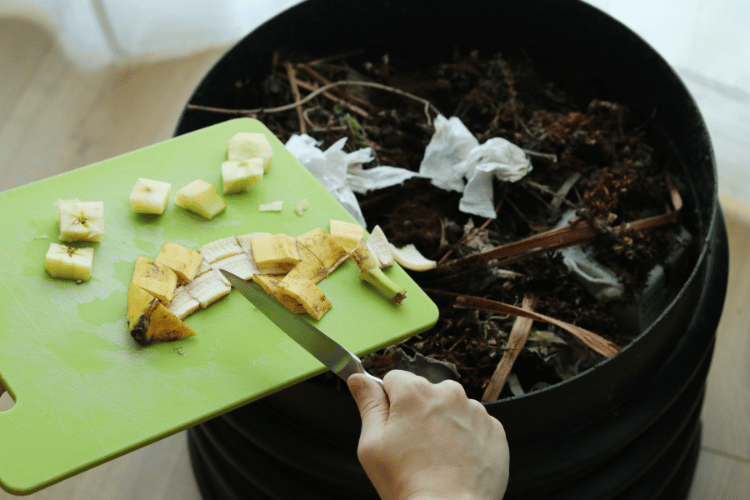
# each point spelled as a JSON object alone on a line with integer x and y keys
{"x": 55, "y": 117}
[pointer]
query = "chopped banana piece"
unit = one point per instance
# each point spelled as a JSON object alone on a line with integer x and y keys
{"x": 80, "y": 220}
{"x": 300, "y": 209}
{"x": 202, "y": 198}
{"x": 380, "y": 248}
{"x": 308, "y": 294}
{"x": 325, "y": 247}
{"x": 220, "y": 249}
{"x": 276, "y": 206}
{"x": 150, "y": 321}
{"x": 410, "y": 258}
{"x": 347, "y": 234}
{"x": 371, "y": 273}
{"x": 208, "y": 288}
{"x": 239, "y": 176}
{"x": 246, "y": 145}
{"x": 149, "y": 196}
{"x": 274, "y": 250}
{"x": 182, "y": 260}
{"x": 155, "y": 278}
{"x": 203, "y": 268}
{"x": 271, "y": 285}
{"x": 183, "y": 304}
{"x": 69, "y": 263}
{"x": 239, "y": 265}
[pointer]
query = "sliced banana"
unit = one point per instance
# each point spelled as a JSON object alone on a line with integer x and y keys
{"x": 237, "y": 176}
{"x": 239, "y": 265}
{"x": 380, "y": 248}
{"x": 410, "y": 258}
{"x": 69, "y": 263}
{"x": 220, "y": 249}
{"x": 208, "y": 288}
{"x": 201, "y": 198}
{"x": 149, "y": 196}
{"x": 246, "y": 145}
{"x": 80, "y": 220}
{"x": 183, "y": 304}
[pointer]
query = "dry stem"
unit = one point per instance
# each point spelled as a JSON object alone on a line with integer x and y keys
{"x": 517, "y": 339}
{"x": 594, "y": 341}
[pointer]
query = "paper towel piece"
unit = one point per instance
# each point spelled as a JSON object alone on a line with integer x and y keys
{"x": 455, "y": 161}
{"x": 342, "y": 173}
{"x": 450, "y": 145}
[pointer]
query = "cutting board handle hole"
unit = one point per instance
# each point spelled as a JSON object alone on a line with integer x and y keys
{"x": 6, "y": 401}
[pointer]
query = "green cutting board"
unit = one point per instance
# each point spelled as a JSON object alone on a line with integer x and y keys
{"x": 85, "y": 392}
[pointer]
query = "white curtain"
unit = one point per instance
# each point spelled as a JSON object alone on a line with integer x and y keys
{"x": 706, "y": 38}
{"x": 98, "y": 32}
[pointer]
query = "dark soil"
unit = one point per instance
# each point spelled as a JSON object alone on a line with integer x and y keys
{"x": 622, "y": 178}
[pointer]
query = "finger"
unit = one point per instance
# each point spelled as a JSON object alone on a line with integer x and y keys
{"x": 371, "y": 400}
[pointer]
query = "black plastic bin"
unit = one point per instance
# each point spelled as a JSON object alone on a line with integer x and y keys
{"x": 628, "y": 428}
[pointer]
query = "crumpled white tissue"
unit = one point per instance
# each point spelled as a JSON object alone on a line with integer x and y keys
{"x": 454, "y": 160}
{"x": 342, "y": 173}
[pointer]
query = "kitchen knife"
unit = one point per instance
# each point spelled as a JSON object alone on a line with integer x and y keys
{"x": 329, "y": 352}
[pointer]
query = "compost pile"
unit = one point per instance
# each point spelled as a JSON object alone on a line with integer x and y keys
{"x": 596, "y": 159}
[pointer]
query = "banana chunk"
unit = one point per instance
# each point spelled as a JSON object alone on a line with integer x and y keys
{"x": 239, "y": 265}
{"x": 182, "y": 260}
{"x": 201, "y": 198}
{"x": 347, "y": 234}
{"x": 69, "y": 263}
{"x": 183, "y": 304}
{"x": 220, "y": 249}
{"x": 149, "y": 196}
{"x": 379, "y": 247}
{"x": 410, "y": 258}
{"x": 155, "y": 278}
{"x": 247, "y": 145}
{"x": 208, "y": 288}
{"x": 276, "y": 249}
{"x": 149, "y": 320}
{"x": 80, "y": 220}
{"x": 239, "y": 176}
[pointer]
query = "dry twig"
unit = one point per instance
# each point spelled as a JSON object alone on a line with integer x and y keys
{"x": 295, "y": 93}
{"x": 428, "y": 106}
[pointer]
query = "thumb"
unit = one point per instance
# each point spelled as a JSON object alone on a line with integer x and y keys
{"x": 371, "y": 400}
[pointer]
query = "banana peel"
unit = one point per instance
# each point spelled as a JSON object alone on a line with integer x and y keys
{"x": 150, "y": 321}
{"x": 155, "y": 278}
{"x": 271, "y": 284}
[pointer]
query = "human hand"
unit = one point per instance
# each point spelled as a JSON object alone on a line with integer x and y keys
{"x": 428, "y": 441}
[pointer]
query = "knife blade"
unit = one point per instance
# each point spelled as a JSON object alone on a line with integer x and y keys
{"x": 326, "y": 350}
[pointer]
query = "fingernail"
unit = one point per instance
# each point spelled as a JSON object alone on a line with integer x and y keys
{"x": 355, "y": 386}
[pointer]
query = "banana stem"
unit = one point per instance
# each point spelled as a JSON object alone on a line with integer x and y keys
{"x": 371, "y": 273}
